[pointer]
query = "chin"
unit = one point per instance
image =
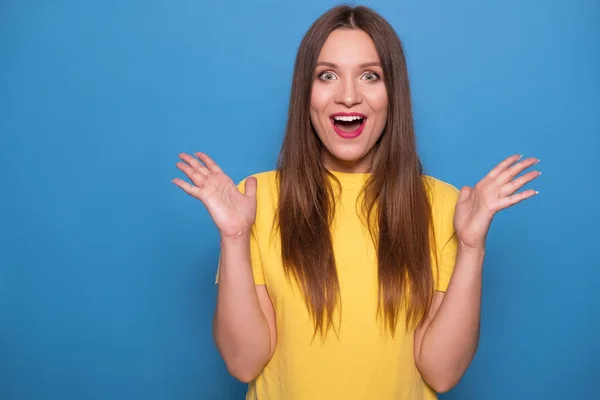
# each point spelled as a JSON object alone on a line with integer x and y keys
{"x": 347, "y": 156}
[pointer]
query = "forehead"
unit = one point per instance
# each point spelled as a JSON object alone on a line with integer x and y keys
{"x": 348, "y": 47}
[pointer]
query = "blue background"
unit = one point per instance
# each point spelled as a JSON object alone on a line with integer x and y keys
{"x": 107, "y": 269}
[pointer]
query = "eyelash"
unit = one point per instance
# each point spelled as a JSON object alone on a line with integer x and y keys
{"x": 377, "y": 77}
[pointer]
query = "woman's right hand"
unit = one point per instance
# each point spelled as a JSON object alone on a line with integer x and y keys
{"x": 232, "y": 211}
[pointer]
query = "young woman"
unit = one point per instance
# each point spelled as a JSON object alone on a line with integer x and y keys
{"x": 347, "y": 273}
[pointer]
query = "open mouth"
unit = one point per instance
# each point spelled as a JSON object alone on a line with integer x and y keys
{"x": 348, "y": 126}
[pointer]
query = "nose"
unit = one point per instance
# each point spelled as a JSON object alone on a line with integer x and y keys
{"x": 349, "y": 94}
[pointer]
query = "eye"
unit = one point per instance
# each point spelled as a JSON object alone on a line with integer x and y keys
{"x": 371, "y": 76}
{"x": 327, "y": 76}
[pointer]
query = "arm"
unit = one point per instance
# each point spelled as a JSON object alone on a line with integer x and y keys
{"x": 446, "y": 342}
{"x": 244, "y": 322}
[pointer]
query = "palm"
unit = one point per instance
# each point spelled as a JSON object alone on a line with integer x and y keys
{"x": 472, "y": 219}
{"x": 233, "y": 212}
{"x": 477, "y": 206}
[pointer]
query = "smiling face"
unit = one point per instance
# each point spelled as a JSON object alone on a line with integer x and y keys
{"x": 349, "y": 101}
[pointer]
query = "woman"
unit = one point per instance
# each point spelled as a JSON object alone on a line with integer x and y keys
{"x": 347, "y": 273}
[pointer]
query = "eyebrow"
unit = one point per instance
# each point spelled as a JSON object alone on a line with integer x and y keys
{"x": 365, "y": 65}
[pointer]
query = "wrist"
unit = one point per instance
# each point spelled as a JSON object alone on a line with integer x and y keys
{"x": 240, "y": 238}
{"x": 474, "y": 250}
{"x": 471, "y": 257}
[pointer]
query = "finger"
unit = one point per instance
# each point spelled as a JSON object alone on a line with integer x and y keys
{"x": 192, "y": 190}
{"x": 498, "y": 169}
{"x": 210, "y": 164}
{"x": 196, "y": 177}
{"x": 185, "y": 168}
{"x": 515, "y": 170}
{"x": 194, "y": 163}
{"x": 464, "y": 193}
{"x": 251, "y": 184}
{"x": 191, "y": 172}
{"x": 518, "y": 183}
{"x": 516, "y": 198}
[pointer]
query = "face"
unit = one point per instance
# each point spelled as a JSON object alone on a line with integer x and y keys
{"x": 349, "y": 100}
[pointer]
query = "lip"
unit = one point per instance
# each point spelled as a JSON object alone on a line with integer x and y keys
{"x": 348, "y": 135}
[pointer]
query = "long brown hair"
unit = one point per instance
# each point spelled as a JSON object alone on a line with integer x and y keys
{"x": 395, "y": 204}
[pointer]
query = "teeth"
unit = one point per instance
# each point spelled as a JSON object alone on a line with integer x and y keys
{"x": 347, "y": 119}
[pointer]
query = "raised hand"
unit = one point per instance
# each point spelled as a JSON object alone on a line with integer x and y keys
{"x": 477, "y": 206}
{"x": 232, "y": 211}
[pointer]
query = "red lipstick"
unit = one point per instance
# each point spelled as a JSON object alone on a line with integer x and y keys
{"x": 344, "y": 134}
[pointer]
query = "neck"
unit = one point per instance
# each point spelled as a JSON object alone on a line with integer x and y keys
{"x": 360, "y": 166}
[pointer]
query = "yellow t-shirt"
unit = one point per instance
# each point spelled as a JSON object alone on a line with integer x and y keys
{"x": 364, "y": 362}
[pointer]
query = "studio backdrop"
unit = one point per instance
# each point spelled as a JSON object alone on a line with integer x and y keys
{"x": 107, "y": 269}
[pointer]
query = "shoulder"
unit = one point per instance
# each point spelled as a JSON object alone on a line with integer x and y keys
{"x": 440, "y": 192}
{"x": 443, "y": 198}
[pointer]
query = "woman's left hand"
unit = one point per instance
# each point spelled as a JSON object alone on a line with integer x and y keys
{"x": 477, "y": 206}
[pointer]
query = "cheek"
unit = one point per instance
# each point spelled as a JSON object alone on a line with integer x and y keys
{"x": 318, "y": 104}
{"x": 378, "y": 101}
{"x": 318, "y": 99}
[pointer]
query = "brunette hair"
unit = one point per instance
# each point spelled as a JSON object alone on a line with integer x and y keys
{"x": 395, "y": 205}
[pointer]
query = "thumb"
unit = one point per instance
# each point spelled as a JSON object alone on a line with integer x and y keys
{"x": 251, "y": 184}
{"x": 464, "y": 193}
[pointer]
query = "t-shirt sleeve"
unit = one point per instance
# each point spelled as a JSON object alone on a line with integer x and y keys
{"x": 446, "y": 240}
{"x": 255, "y": 257}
